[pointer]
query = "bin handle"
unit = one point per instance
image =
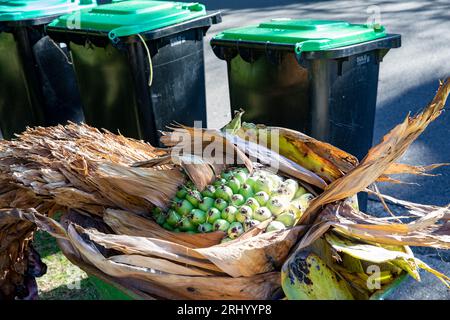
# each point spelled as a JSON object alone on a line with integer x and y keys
{"x": 150, "y": 79}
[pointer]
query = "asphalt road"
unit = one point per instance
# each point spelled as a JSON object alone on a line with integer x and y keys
{"x": 409, "y": 77}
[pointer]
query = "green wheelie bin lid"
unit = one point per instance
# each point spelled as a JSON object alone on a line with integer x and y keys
{"x": 304, "y": 35}
{"x": 19, "y": 10}
{"x": 131, "y": 17}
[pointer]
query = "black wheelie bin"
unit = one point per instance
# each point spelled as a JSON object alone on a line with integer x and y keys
{"x": 315, "y": 76}
{"x": 139, "y": 64}
{"x": 37, "y": 81}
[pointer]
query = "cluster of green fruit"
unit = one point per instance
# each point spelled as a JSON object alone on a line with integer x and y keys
{"x": 235, "y": 203}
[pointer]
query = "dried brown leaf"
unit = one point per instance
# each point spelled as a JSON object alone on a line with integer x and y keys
{"x": 380, "y": 157}
{"x": 127, "y": 223}
{"x": 402, "y": 168}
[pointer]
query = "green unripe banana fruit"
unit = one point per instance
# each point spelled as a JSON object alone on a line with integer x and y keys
{"x": 221, "y": 225}
{"x": 186, "y": 225}
{"x": 198, "y": 216}
{"x": 244, "y": 213}
{"x": 252, "y": 203}
{"x": 277, "y": 205}
{"x": 181, "y": 193}
{"x": 229, "y": 214}
{"x": 286, "y": 218}
{"x": 224, "y": 192}
{"x": 275, "y": 226}
{"x": 235, "y": 230}
{"x": 262, "y": 214}
{"x": 205, "y": 227}
{"x": 237, "y": 200}
{"x": 209, "y": 191}
{"x": 262, "y": 198}
{"x": 206, "y": 203}
{"x": 219, "y": 182}
{"x": 173, "y": 218}
{"x": 220, "y": 204}
{"x": 234, "y": 185}
{"x": 246, "y": 191}
{"x": 213, "y": 215}
{"x": 264, "y": 184}
{"x": 194, "y": 197}
{"x": 184, "y": 207}
{"x": 241, "y": 175}
{"x": 248, "y": 224}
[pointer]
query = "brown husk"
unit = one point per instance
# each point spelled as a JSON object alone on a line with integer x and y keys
{"x": 112, "y": 183}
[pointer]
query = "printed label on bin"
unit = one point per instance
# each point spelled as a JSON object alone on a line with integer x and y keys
{"x": 362, "y": 59}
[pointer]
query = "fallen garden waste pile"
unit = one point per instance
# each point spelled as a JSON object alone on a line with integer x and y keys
{"x": 193, "y": 222}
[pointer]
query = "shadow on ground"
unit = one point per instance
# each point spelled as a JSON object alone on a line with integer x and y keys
{"x": 327, "y": 7}
{"x": 45, "y": 244}
{"x": 84, "y": 290}
{"x": 63, "y": 280}
{"x": 431, "y": 147}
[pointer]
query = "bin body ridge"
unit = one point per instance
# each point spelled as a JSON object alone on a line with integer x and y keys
{"x": 17, "y": 109}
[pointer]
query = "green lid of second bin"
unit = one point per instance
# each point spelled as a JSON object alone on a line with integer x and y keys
{"x": 305, "y": 35}
{"x": 19, "y": 10}
{"x": 130, "y": 17}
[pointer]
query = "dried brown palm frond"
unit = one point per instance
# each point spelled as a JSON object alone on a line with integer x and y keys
{"x": 138, "y": 186}
{"x": 192, "y": 287}
{"x": 430, "y": 229}
{"x": 402, "y": 168}
{"x": 168, "y": 267}
{"x": 302, "y": 149}
{"x": 381, "y": 157}
{"x": 415, "y": 209}
{"x": 198, "y": 170}
{"x": 325, "y": 160}
{"x": 79, "y": 167}
{"x": 19, "y": 264}
{"x": 215, "y": 139}
{"x": 210, "y": 145}
{"x": 126, "y": 223}
{"x": 272, "y": 159}
{"x": 427, "y": 231}
{"x": 112, "y": 182}
{"x": 118, "y": 193}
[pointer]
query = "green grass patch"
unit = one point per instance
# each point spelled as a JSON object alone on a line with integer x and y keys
{"x": 63, "y": 280}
